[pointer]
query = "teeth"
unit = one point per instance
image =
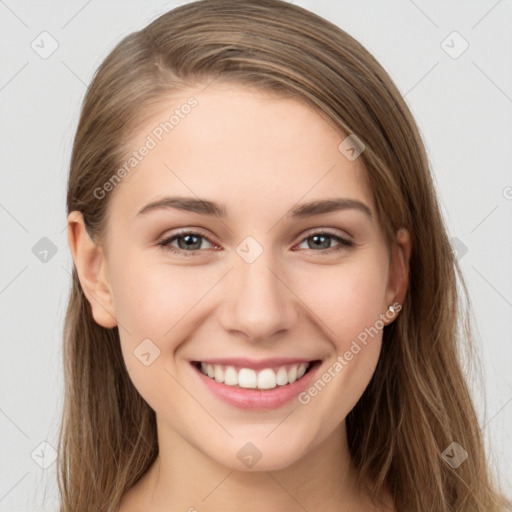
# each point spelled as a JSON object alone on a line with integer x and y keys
{"x": 231, "y": 376}
{"x": 218, "y": 373}
{"x": 250, "y": 379}
{"x": 282, "y": 376}
{"x": 247, "y": 378}
{"x": 292, "y": 374}
{"x": 267, "y": 379}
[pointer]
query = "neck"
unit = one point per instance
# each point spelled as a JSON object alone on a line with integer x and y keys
{"x": 185, "y": 479}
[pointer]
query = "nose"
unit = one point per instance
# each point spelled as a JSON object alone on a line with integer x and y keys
{"x": 259, "y": 304}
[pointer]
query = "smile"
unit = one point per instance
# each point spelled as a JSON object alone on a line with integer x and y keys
{"x": 258, "y": 385}
{"x": 248, "y": 378}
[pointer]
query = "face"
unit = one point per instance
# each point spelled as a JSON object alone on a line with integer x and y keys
{"x": 276, "y": 284}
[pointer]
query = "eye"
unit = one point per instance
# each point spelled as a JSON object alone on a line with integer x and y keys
{"x": 190, "y": 243}
{"x": 187, "y": 242}
{"x": 322, "y": 242}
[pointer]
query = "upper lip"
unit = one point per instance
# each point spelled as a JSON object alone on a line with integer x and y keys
{"x": 255, "y": 364}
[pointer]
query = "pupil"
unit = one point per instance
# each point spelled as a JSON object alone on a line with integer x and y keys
{"x": 321, "y": 238}
{"x": 318, "y": 241}
{"x": 192, "y": 244}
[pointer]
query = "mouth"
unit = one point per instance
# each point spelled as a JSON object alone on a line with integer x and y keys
{"x": 265, "y": 378}
{"x": 257, "y": 385}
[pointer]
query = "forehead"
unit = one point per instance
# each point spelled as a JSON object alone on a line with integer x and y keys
{"x": 241, "y": 145}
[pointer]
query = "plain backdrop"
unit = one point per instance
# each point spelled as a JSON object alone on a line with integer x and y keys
{"x": 451, "y": 61}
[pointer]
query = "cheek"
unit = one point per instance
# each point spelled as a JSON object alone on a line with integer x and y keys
{"x": 346, "y": 299}
{"x": 156, "y": 307}
{"x": 347, "y": 303}
{"x": 151, "y": 298}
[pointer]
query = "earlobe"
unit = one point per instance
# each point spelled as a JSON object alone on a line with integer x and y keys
{"x": 399, "y": 269}
{"x": 92, "y": 271}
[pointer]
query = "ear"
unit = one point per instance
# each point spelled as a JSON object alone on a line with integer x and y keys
{"x": 398, "y": 281}
{"x": 91, "y": 267}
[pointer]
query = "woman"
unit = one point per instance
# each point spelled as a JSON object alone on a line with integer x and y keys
{"x": 264, "y": 312}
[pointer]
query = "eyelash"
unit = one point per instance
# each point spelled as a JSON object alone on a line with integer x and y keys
{"x": 165, "y": 244}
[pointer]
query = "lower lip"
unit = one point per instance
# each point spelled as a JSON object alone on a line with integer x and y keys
{"x": 255, "y": 398}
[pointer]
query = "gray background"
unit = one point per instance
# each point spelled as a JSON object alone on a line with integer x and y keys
{"x": 462, "y": 103}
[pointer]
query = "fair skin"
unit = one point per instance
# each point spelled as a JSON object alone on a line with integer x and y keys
{"x": 260, "y": 157}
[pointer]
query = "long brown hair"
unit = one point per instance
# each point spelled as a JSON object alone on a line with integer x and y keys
{"x": 418, "y": 401}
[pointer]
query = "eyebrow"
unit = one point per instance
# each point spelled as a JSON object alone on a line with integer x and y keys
{"x": 205, "y": 207}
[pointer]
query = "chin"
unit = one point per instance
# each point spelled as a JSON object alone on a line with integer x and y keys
{"x": 261, "y": 453}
